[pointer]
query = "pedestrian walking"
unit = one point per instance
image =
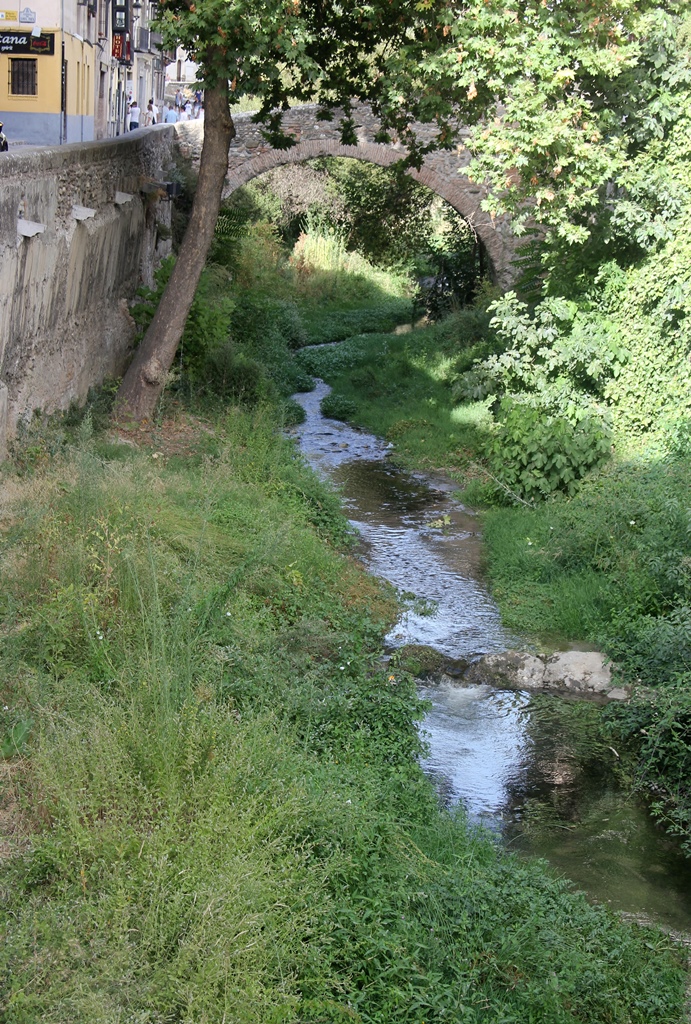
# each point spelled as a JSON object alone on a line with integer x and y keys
{"x": 134, "y": 115}
{"x": 171, "y": 116}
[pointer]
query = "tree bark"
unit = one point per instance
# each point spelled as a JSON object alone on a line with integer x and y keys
{"x": 142, "y": 384}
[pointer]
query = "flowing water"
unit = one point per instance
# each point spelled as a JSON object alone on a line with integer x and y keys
{"x": 525, "y": 766}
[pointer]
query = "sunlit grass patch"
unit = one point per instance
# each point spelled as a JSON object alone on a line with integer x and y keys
{"x": 471, "y": 414}
{"x": 399, "y": 387}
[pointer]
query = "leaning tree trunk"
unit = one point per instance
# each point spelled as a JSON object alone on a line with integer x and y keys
{"x": 142, "y": 384}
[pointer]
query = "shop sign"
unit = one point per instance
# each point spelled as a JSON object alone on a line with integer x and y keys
{"x": 122, "y": 48}
{"x": 25, "y": 42}
{"x": 8, "y": 16}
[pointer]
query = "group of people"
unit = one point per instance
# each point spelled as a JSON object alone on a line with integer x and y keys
{"x": 135, "y": 115}
{"x": 189, "y": 108}
{"x": 185, "y": 109}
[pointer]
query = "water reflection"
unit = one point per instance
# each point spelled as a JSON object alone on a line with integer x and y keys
{"x": 532, "y": 769}
{"x": 476, "y": 739}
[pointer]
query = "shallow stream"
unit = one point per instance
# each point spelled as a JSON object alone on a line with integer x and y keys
{"x": 525, "y": 766}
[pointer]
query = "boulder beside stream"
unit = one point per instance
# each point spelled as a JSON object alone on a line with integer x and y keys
{"x": 584, "y": 672}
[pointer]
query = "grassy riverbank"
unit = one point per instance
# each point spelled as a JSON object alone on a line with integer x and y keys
{"x": 607, "y": 564}
{"x": 212, "y": 802}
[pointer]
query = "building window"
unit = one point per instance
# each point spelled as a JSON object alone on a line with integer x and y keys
{"x": 23, "y": 77}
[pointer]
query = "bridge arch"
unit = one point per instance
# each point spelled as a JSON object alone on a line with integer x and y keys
{"x": 443, "y": 171}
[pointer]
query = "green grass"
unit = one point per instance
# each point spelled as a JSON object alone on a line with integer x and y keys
{"x": 338, "y": 293}
{"x": 341, "y": 294}
{"x": 218, "y": 785}
{"x": 401, "y": 389}
{"x": 619, "y": 548}
{"x": 366, "y": 315}
{"x": 608, "y": 566}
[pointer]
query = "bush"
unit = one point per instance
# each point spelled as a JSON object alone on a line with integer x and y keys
{"x": 535, "y": 451}
{"x": 651, "y": 649}
{"x": 260, "y": 263}
{"x": 231, "y": 227}
{"x": 256, "y": 317}
{"x": 266, "y": 330}
{"x": 208, "y": 320}
{"x": 292, "y": 413}
{"x": 336, "y": 407}
{"x": 553, "y": 347}
{"x": 657, "y": 728}
{"x": 232, "y": 375}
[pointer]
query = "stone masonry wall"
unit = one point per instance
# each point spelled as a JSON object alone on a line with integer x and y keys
{"x": 443, "y": 171}
{"x": 79, "y": 233}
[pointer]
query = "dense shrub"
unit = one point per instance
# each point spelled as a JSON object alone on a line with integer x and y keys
{"x": 208, "y": 320}
{"x": 657, "y": 728}
{"x": 258, "y": 317}
{"x": 231, "y": 227}
{"x": 535, "y": 451}
{"x": 552, "y": 346}
{"x": 650, "y": 649}
{"x": 327, "y": 325}
{"x": 336, "y": 407}
{"x": 230, "y": 374}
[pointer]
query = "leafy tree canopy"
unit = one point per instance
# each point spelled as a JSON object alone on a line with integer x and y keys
{"x": 295, "y": 51}
{"x": 561, "y": 92}
{"x": 568, "y": 92}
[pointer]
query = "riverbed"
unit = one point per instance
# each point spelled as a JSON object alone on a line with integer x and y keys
{"x": 522, "y": 765}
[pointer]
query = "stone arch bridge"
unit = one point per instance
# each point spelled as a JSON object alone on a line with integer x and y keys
{"x": 443, "y": 171}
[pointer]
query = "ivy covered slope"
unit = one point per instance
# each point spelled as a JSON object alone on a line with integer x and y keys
{"x": 212, "y": 804}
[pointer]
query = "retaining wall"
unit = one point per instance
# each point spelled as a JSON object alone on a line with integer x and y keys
{"x": 80, "y": 230}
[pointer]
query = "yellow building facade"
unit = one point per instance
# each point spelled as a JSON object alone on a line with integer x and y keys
{"x": 48, "y": 56}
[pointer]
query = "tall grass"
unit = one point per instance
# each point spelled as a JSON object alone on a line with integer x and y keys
{"x": 227, "y": 817}
{"x": 337, "y": 292}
